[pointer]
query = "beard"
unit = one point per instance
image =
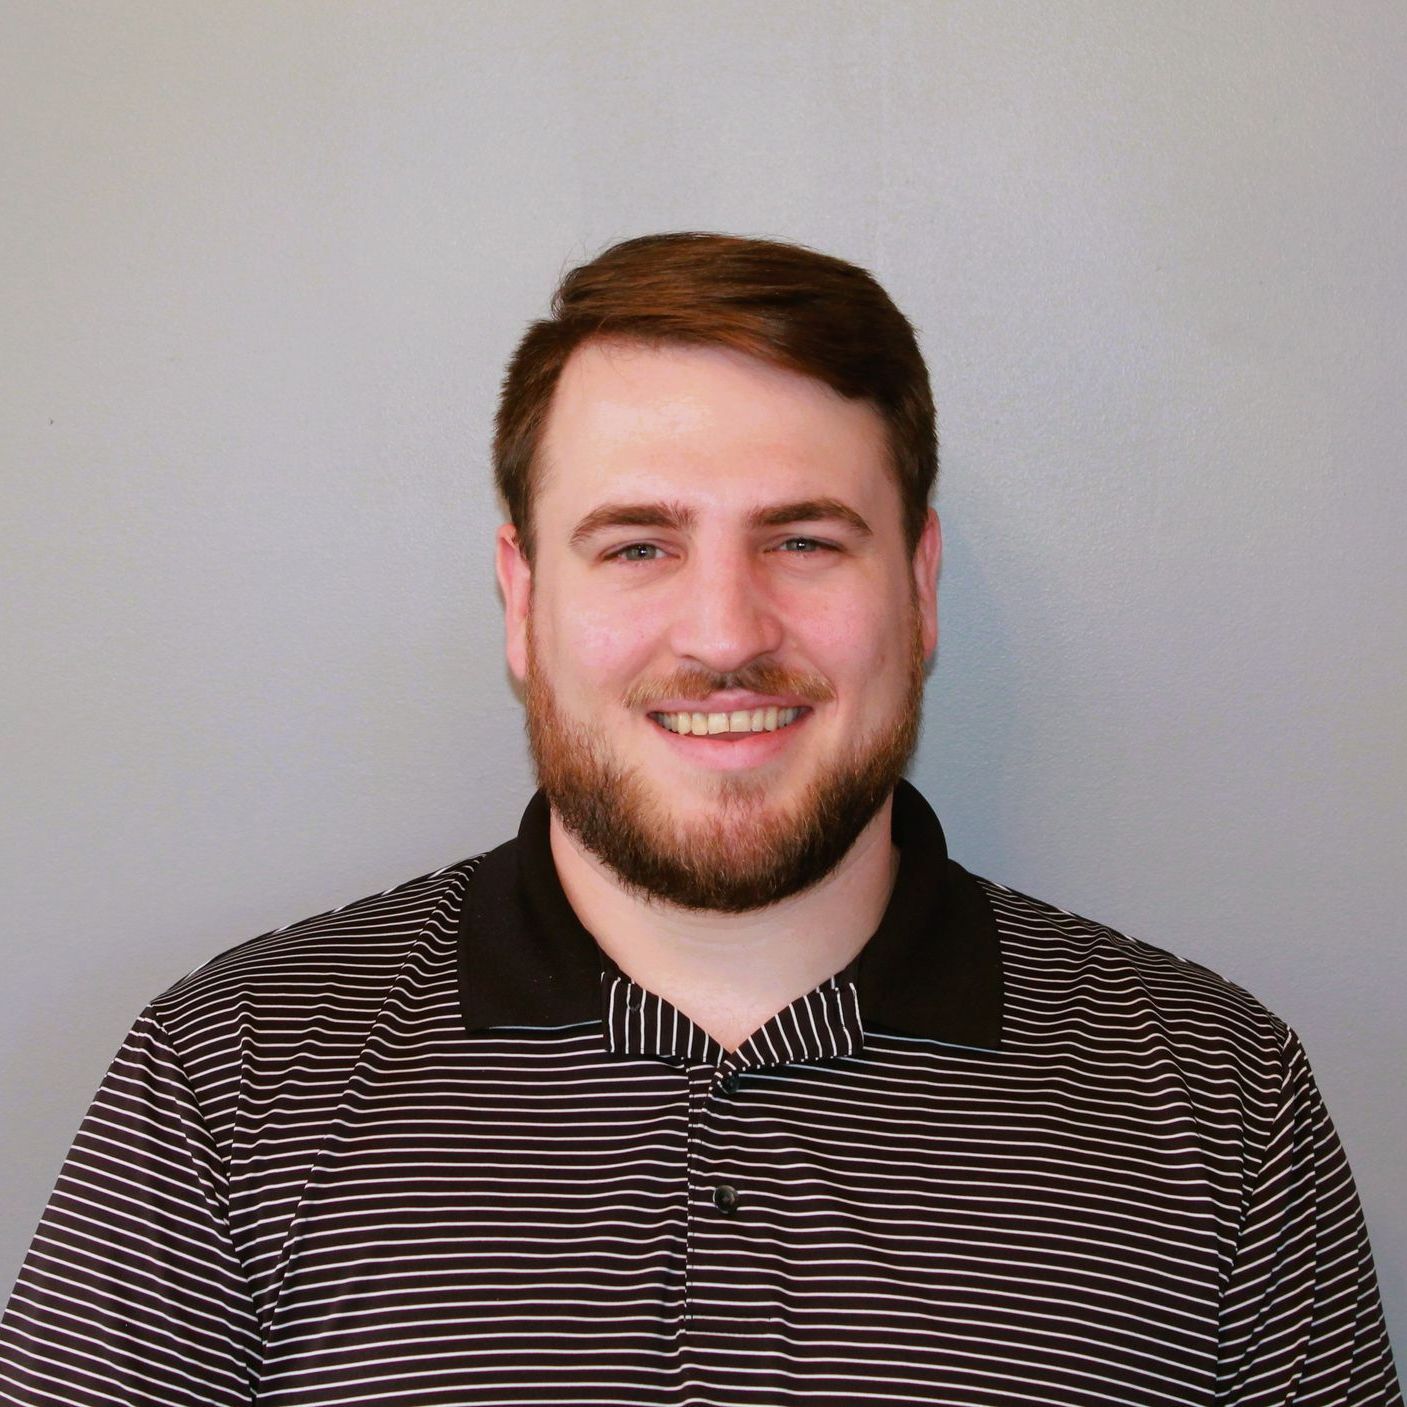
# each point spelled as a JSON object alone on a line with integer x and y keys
{"x": 745, "y": 855}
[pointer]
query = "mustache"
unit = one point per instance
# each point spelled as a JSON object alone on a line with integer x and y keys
{"x": 757, "y": 678}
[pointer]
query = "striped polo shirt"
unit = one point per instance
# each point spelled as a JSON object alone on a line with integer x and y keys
{"x": 435, "y": 1148}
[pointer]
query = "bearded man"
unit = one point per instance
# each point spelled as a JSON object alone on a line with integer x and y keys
{"x": 721, "y": 1082}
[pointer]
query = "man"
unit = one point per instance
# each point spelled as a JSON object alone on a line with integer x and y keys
{"x": 720, "y": 1083}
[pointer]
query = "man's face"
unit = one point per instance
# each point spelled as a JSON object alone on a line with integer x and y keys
{"x": 719, "y": 542}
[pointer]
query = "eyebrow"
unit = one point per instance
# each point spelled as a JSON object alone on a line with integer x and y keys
{"x": 632, "y": 515}
{"x": 810, "y": 510}
{"x": 679, "y": 517}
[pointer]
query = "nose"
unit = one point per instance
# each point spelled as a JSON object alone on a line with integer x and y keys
{"x": 724, "y": 617}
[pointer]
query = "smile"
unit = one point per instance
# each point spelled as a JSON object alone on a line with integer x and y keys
{"x": 744, "y": 720}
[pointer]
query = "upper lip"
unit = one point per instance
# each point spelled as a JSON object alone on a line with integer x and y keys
{"x": 726, "y": 703}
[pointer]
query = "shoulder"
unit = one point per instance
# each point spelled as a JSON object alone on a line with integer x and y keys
{"x": 1068, "y": 978}
{"x": 345, "y": 957}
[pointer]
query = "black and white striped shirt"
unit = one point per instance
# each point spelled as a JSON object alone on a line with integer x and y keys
{"x": 434, "y": 1148}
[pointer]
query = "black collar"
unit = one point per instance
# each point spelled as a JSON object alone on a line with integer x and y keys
{"x": 932, "y": 967}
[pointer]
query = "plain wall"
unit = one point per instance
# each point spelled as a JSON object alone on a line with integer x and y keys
{"x": 263, "y": 264}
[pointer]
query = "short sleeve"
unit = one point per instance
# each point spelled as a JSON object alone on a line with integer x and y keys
{"x": 132, "y": 1292}
{"x": 1301, "y": 1323}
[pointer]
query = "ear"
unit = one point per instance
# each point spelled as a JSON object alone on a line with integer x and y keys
{"x": 927, "y": 556}
{"x": 515, "y": 580}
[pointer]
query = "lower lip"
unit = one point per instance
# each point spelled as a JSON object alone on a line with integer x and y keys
{"x": 734, "y": 754}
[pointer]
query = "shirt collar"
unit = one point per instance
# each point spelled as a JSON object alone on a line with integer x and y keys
{"x": 932, "y": 968}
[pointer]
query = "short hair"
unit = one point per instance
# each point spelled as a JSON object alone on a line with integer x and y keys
{"x": 788, "y": 305}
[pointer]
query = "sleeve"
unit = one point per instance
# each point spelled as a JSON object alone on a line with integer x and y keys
{"x": 1301, "y": 1324}
{"x": 132, "y": 1292}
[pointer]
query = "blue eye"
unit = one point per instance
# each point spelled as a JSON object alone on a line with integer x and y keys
{"x": 631, "y": 552}
{"x": 805, "y": 545}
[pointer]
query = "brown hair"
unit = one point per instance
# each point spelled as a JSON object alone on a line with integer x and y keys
{"x": 788, "y": 305}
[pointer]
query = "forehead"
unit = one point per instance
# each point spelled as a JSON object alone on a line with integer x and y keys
{"x": 704, "y": 422}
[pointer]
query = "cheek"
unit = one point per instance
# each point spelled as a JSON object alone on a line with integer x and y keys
{"x": 598, "y": 643}
{"x": 853, "y": 638}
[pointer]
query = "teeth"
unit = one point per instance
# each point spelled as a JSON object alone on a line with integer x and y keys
{"x": 742, "y": 720}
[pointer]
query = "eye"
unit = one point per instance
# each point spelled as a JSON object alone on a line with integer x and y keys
{"x": 634, "y": 552}
{"x": 805, "y": 546}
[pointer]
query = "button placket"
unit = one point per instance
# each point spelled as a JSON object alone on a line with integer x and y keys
{"x": 700, "y": 1079}
{"x": 722, "y": 1092}
{"x": 723, "y": 1088}
{"x": 719, "y": 1311}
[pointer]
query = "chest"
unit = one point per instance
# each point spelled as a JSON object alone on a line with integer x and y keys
{"x": 893, "y": 1229}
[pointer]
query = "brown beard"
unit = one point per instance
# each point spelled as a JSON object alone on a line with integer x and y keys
{"x": 745, "y": 857}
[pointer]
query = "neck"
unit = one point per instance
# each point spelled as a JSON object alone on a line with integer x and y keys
{"x": 730, "y": 972}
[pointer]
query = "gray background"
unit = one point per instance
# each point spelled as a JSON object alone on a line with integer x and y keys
{"x": 263, "y": 263}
